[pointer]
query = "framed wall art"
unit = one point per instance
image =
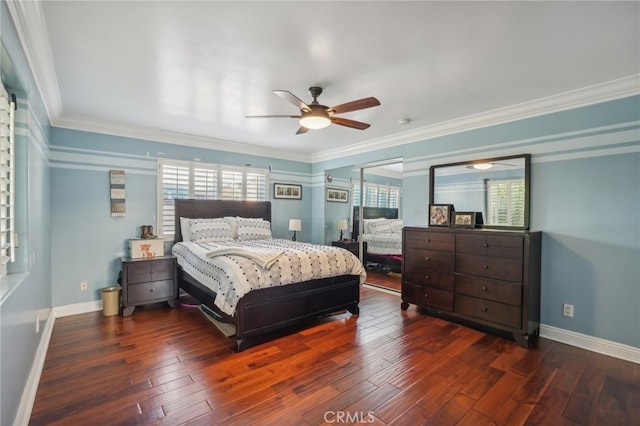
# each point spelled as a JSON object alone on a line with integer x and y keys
{"x": 440, "y": 214}
{"x": 287, "y": 191}
{"x": 338, "y": 195}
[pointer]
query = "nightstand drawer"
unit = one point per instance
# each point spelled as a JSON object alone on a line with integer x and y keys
{"x": 142, "y": 272}
{"x": 149, "y": 291}
{"x": 487, "y": 310}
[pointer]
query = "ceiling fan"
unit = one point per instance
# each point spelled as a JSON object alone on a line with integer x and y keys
{"x": 315, "y": 116}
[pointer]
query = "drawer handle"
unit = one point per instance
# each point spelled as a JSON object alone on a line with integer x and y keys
{"x": 150, "y": 290}
{"x": 426, "y": 277}
{"x": 485, "y": 266}
{"x": 486, "y": 244}
{"x": 427, "y": 259}
{"x": 426, "y": 295}
{"x": 428, "y": 240}
{"x": 484, "y": 287}
{"x": 484, "y": 309}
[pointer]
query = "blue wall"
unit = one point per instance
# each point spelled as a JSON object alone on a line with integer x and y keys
{"x": 25, "y": 294}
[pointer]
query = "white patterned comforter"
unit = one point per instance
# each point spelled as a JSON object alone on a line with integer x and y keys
{"x": 383, "y": 244}
{"x": 232, "y": 276}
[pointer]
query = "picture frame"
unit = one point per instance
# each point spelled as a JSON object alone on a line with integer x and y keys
{"x": 338, "y": 195}
{"x": 464, "y": 220}
{"x": 440, "y": 214}
{"x": 287, "y": 191}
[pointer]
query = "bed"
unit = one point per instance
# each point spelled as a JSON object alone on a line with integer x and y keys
{"x": 382, "y": 231}
{"x": 262, "y": 311}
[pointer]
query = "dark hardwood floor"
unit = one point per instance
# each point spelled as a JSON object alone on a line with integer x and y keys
{"x": 385, "y": 366}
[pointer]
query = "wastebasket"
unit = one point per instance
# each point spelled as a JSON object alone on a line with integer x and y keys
{"x": 110, "y": 301}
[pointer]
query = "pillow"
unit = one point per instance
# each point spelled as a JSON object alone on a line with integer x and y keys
{"x": 380, "y": 227}
{"x": 396, "y": 225}
{"x": 366, "y": 222}
{"x": 233, "y": 223}
{"x": 185, "y": 228}
{"x": 210, "y": 230}
{"x": 253, "y": 229}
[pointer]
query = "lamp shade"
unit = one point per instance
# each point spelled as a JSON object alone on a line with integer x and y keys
{"x": 342, "y": 224}
{"x": 295, "y": 225}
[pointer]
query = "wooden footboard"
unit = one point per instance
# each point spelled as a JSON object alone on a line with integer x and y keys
{"x": 266, "y": 310}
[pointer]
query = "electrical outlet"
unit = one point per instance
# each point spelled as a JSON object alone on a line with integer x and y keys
{"x": 84, "y": 285}
{"x": 567, "y": 310}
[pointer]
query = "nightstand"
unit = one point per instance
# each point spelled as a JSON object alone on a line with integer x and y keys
{"x": 148, "y": 280}
{"x": 352, "y": 246}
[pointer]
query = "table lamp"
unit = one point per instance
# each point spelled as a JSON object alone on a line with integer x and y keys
{"x": 342, "y": 226}
{"x": 295, "y": 225}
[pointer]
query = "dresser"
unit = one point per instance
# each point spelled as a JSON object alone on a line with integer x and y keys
{"x": 489, "y": 279}
{"x": 148, "y": 280}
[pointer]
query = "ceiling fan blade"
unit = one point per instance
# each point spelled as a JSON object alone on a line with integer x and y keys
{"x": 302, "y": 130}
{"x": 350, "y": 123}
{"x": 271, "y": 116}
{"x": 288, "y": 96}
{"x": 356, "y": 105}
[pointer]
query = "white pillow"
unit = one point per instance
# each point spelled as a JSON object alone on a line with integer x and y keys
{"x": 380, "y": 227}
{"x": 185, "y": 228}
{"x": 210, "y": 230}
{"x": 366, "y": 222}
{"x": 396, "y": 225}
{"x": 253, "y": 229}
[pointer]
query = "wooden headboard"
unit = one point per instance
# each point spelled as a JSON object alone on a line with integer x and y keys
{"x": 218, "y": 208}
{"x": 371, "y": 213}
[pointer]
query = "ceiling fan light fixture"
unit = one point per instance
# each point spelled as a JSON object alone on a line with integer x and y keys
{"x": 314, "y": 120}
{"x": 482, "y": 166}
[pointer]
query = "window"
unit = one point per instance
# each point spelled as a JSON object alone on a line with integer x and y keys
{"x": 7, "y": 176}
{"x": 201, "y": 181}
{"x": 505, "y": 202}
{"x": 377, "y": 195}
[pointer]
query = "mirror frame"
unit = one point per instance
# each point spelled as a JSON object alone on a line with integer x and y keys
{"x": 527, "y": 185}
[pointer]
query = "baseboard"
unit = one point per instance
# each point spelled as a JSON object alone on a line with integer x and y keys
{"x": 77, "y": 308}
{"x": 31, "y": 387}
{"x": 590, "y": 343}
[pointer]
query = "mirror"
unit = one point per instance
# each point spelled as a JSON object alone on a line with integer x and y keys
{"x": 496, "y": 187}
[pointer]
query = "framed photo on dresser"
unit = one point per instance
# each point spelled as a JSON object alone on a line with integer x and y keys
{"x": 440, "y": 214}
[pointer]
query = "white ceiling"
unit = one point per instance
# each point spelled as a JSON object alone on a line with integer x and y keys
{"x": 191, "y": 71}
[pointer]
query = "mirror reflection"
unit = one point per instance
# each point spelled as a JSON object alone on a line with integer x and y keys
{"x": 379, "y": 190}
{"x": 497, "y": 188}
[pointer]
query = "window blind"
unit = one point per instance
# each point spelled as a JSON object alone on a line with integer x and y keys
{"x": 505, "y": 202}
{"x": 184, "y": 179}
{"x": 376, "y": 195}
{"x": 7, "y": 177}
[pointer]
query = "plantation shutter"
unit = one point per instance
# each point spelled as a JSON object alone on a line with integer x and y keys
{"x": 183, "y": 179}
{"x": 377, "y": 195}
{"x": 7, "y": 176}
{"x": 505, "y": 202}
{"x": 175, "y": 184}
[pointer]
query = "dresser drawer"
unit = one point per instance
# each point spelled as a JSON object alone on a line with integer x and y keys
{"x": 421, "y": 274}
{"x": 503, "y": 246}
{"x": 487, "y": 310}
{"x": 485, "y": 288}
{"x": 144, "y": 271}
{"x": 150, "y": 291}
{"x": 442, "y": 241}
{"x": 435, "y": 260}
{"x": 427, "y": 296}
{"x": 490, "y": 267}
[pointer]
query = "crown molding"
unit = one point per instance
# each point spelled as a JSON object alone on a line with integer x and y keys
{"x": 174, "y": 138}
{"x": 603, "y": 92}
{"x": 28, "y": 18}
